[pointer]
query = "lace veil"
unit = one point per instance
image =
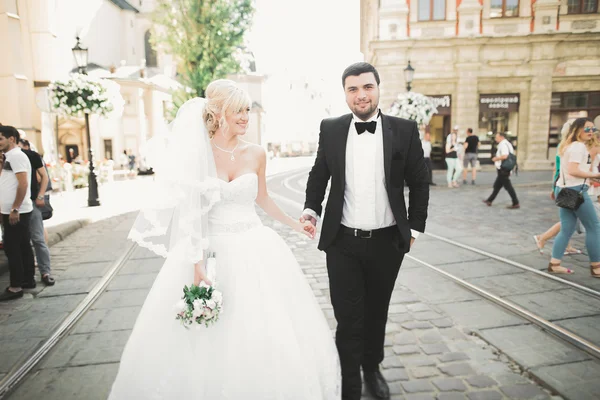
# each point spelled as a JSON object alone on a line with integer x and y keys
{"x": 173, "y": 221}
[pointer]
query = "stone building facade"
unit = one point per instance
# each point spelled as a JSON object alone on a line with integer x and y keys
{"x": 519, "y": 66}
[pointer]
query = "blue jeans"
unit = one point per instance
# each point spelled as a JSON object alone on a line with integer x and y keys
{"x": 586, "y": 213}
{"x": 36, "y": 232}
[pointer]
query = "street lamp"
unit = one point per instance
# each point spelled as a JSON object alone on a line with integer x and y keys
{"x": 409, "y": 73}
{"x": 81, "y": 58}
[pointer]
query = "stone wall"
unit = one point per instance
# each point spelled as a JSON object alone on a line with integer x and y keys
{"x": 532, "y": 66}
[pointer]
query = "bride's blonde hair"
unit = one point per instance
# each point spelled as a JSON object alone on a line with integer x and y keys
{"x": 223, "y": 97}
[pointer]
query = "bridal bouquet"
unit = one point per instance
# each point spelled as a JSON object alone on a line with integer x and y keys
{"x": 201, "y": 304}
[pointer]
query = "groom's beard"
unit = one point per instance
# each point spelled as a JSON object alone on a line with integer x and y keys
{"x": 367, "y": 113}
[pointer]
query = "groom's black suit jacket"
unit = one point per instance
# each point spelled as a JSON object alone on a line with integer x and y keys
{"x": 403, "y": 162}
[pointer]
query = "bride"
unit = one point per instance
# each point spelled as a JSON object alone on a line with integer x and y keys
{"x": 271, "y": 341}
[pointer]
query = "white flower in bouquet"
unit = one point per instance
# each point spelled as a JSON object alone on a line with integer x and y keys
{"x": 198, "y": 308}
{"x": 217, "y": 297}
{"x": 211, "y": 304}
{"x": 208, "y": 314}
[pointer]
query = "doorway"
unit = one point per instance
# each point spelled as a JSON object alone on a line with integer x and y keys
{"x": 439, "y": 128}
{"x": 72, "y": 152}
{"x": 108, "y": 149}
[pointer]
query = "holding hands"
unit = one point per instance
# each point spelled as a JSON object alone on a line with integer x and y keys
{"x": 307, "y": 225}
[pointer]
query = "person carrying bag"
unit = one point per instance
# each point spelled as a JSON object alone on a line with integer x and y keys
{"x": 571, "y": 195}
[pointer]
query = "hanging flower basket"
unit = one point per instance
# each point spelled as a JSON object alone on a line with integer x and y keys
{"x": 82, "y": 94}
{"x": 413, "y": 106}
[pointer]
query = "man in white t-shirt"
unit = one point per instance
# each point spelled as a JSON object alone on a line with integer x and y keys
{"x": 16, "y": 208}
{"x": 503, "y": 177}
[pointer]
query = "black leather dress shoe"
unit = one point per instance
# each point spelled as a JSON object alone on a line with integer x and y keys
{"x": 376, "y": 384}
{"x": 8, "y": 295}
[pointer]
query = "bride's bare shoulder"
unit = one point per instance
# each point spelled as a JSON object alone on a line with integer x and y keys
{"x": 254, "y": 150}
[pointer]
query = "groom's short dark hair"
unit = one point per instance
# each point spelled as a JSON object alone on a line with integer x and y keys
{"x": 359, "y": 68}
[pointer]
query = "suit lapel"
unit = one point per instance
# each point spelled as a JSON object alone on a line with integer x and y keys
{"x": 386, "y": 130}
{"x": 342, "y": 134}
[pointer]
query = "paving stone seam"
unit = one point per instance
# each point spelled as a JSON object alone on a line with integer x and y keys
{"x": 528, "y": 371}
{"x": 575, "y": 317}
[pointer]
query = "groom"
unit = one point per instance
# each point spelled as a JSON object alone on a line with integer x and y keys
{"x": 366, "y": 229}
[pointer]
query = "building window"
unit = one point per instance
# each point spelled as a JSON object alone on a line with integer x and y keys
{"x": 567, "y": 106}
{"x": 432, "y": 10}
{"x": 583, "y": 6}
{"x": 108, "y": 149}
{"x": 504, "y": 8}
{"x": 151, "y": 58}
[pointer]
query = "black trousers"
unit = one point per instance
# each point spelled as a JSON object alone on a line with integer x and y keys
{"x": 362, "y": 274}
{"x": 429, "y": 168}
{"x": 18, "y": 251}
{"x": 503, "y": 181}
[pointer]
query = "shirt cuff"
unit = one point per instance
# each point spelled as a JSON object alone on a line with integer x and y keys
{"x": 310, "y": 212}
{"x": 414, "y": 234}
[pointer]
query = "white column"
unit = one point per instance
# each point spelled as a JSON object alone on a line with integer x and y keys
{"x": 466, "y": 102}
{"x": 393, "y": 19}
{"x": 539, "y": 114}
{"x": 469, "y": 21}
{"x": 546, "y": 13}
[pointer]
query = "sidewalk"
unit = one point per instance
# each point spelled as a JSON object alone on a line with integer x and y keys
{"x": 487, "y": 177}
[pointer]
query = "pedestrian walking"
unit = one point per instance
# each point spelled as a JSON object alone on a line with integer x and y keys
{"x": 131, "y": 158}
{"x": 16, "y": 208}
{"x": 503, "y": 150}
{"x": 452, "y": 173}
{"x": 541, "y": 239}
{"x": 575, "y": 171}
{"x": 471, "y": 146}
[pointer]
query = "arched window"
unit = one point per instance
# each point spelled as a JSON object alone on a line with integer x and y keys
{"x": 151, "y": 58}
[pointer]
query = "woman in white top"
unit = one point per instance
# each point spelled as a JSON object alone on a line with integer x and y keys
{"x": 575, "y": 173}
{"x": 452, "y": 160}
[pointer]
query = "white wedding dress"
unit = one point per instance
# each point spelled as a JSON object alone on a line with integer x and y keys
{"x": 271, "y": 342}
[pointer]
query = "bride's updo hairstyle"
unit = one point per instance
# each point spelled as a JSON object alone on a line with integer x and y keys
{"x": 224, "y": 98}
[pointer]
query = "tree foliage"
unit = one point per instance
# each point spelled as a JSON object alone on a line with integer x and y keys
{"x": 204, "y": 36}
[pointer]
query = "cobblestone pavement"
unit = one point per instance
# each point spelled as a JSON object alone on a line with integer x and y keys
{"x": 460, "y": 214}
{"x": 430, "y": 354}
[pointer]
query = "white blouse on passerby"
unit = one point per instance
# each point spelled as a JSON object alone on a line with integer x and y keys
{"x": 578, "y": 153}
{"x": 504, "y": 149}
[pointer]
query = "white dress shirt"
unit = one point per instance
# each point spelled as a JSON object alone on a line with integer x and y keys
{"x": 366, "y": 203}
{"x": 426, "y": 148}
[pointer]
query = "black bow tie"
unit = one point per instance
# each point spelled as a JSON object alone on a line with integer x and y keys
{"x": 362, "y": 126}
